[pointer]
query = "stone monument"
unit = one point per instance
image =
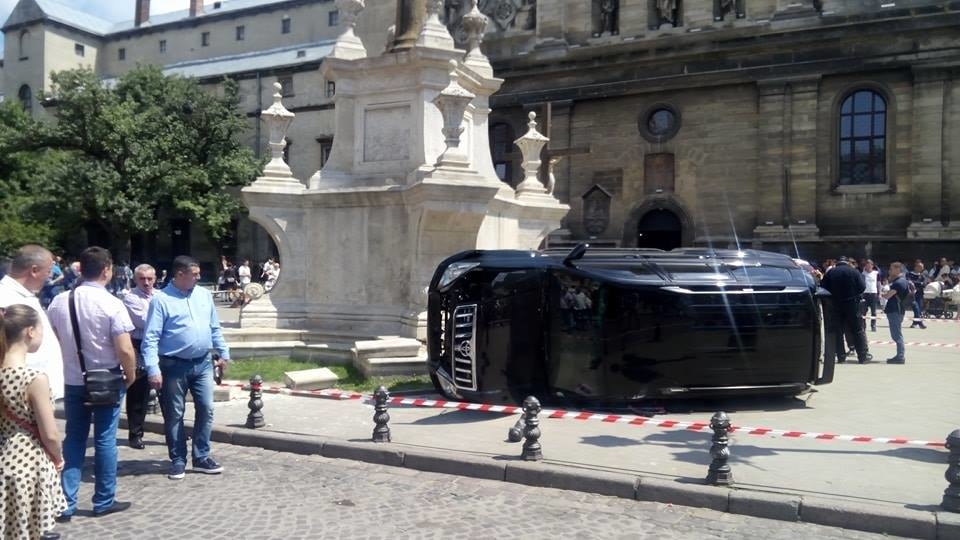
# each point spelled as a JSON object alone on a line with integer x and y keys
{"x": 409, "y": 182}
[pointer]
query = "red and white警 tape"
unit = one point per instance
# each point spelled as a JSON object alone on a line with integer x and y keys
{"x": 654, "y": 422}
{"x": 917, "y": 344}
{"x": 913, "y": 319}
{"x": 325, "y": 394}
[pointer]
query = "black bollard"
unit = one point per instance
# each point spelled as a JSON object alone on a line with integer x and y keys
{"x": 515, "y": 434}
{"x": 153, "y": 402}
{"x": 381, "y": 431}
{"x": 719, "y": 473}
{"x": 951, "y": 495}
{"x": 532, "y": 451}
{"x": 255, "y": 418}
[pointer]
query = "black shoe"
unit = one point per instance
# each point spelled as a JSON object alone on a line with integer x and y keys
{"x": 63, "y": 518}
{"x": 866, "y": 359}
{"x": 896, "y": 360}
{"x": 136, "y": 443}
{"x": 922, "y": 326}
{"x": 117, "y": 507}
{"x": 50, "y": 535}
{"x": 851, "y": 352}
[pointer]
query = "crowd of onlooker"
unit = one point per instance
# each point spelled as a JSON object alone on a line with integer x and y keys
{"x": 944, "y": 271}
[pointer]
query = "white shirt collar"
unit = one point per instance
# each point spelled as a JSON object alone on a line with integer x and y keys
{"x": 17, "y": 287}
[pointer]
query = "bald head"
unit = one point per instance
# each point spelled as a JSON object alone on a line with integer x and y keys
{"x": 30, "y": 266}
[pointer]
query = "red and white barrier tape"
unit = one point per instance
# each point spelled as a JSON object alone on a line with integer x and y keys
{"x": 582, "y": 415}
{"x": 325, "y": 394}
{"x": 922, "y": 319}
{"x": 654, "y": 422}
{"x": 917, "y": 344}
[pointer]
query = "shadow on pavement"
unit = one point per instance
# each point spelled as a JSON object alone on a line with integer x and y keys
{"x": 454, "y": 417}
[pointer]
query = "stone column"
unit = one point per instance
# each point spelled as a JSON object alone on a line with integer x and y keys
{"x": 771, "y": 108}
{"x": 951, "y": 150}
{"x": 801, "y": 158}
{"x": 926, "y": 175}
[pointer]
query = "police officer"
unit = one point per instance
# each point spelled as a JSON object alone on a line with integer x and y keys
{"x": 846, "y": 285}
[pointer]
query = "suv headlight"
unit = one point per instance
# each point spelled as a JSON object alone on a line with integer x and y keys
{"x": 454, "y": 271}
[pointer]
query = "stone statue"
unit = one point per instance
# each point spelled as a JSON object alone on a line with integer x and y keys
{"x": 452, "y": 11}
{"x": 608, "y": 16}
{"x": 726, "y": 6}
{"x": 667, "y": 10}
{"x": 410, "y": 17}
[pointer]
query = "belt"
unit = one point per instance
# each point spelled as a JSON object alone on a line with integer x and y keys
{"x": 194, "y": 360}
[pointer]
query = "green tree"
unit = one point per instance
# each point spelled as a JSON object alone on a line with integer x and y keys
{"x": 151, "y": 142}
{"x": 21, "y": 221}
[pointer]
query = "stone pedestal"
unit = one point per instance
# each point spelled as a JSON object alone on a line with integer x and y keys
{"x": 359, "y": 245}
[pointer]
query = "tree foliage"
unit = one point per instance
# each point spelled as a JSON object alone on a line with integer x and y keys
{"x": 150, "y": 143}
{"x": 21, "y": 221}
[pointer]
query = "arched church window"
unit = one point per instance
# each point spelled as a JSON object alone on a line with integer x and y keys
{"x": 862, "y": 127}
{"x": 26, "y": 98}
{"x": 23, "y": 44}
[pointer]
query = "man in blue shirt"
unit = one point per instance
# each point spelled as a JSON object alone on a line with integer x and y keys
{"x": 897, "y": 298}
{"x": 181, "y": 328}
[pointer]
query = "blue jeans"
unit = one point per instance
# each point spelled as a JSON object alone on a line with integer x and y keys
{"x": 105, "y": 421}
{"x": 895, "y": 319}
{"x": 178, "y": 377}
{"x": 918, "y": 307}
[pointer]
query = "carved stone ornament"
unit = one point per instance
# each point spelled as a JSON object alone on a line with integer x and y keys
{"x": 348, "y": 45}
{"x": 505, "y": 14}
{"x": 530, "y": 144}
{"x": 452, "y": 102}
{"x": 667, "y": 12}
{"x": 596, "y": 210}
{"x": 474, "y": 23}
{"x": 278, "y": 120}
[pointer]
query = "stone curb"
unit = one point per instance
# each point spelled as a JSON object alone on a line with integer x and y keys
{"x": 852, "y": 515}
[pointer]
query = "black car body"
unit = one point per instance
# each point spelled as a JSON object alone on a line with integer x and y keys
{"x": 614, "y": 326}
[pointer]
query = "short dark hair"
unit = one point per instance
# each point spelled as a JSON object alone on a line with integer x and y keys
{"x": 182, "y": 263}
{"x": 93, "y": 261}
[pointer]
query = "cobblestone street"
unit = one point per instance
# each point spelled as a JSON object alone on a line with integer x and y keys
{"x": 266, "y": 494}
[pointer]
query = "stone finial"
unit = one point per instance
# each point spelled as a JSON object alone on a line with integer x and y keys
{"x": 719, "y": 473}
{"x": 433, "y": 33}
{"x": 381, "y": 431}
{"x": 474, "y": 24}
{"x": 348, "y": 45}
{"x": 532, "y": 451}
{"x": 951, "y": 495}
{"x": 452, "y": 102}
{"x": 255, "y": 418}
{"x": 278, "y": 120}
{"x": 530, "y": 144}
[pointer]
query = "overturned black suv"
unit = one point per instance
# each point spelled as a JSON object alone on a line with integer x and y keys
{"x": 615, "y": 326}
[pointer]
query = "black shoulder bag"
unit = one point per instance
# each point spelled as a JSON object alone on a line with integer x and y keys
{"x": 103, "y": 386}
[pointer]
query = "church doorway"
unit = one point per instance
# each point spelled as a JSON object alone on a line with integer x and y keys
{"x": 659, "y": 229}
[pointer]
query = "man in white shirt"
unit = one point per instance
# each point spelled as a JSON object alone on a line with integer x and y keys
{"x": 872, "y": 293}
{"x": 29, "y": 270}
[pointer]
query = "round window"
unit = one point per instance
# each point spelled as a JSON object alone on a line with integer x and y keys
{"x": 659, "y": 123}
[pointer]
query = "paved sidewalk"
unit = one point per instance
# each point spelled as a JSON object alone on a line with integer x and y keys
{"x": 918, "y": 401}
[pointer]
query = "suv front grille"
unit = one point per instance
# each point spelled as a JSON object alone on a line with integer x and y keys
{"x": 463, "y": 357}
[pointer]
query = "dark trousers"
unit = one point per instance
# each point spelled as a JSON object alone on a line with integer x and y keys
{"x": 872, "y": 303}
{"x": 138, "y": 395}
{"x": 848, "y": 321}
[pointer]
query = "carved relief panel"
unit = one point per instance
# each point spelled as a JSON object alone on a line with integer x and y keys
{"x": 504, "y": 14}
{"x": 596, "y": 210}
{"x": 658, "y": 173}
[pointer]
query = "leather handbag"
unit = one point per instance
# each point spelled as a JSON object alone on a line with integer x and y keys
{"x": 103, "y": 387}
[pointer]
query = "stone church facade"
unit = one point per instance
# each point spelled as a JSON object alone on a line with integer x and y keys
{"x": 811, "y": 128}
{"x": 814, "y": 127}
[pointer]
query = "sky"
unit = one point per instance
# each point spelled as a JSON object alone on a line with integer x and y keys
{"x": 110, "y": 10}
